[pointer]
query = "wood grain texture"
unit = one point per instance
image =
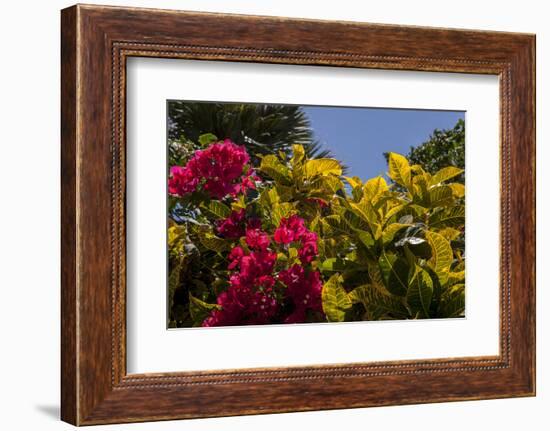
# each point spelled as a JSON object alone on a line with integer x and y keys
{"x": 96, "y": 41}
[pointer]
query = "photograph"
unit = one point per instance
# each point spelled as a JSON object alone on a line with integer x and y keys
{"x": 281, "y": 214}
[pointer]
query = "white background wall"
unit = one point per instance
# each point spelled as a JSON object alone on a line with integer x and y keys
{"x": 29, "y": 214}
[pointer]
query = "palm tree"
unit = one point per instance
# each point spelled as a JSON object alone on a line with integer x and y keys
{"x": 262, "y": 129}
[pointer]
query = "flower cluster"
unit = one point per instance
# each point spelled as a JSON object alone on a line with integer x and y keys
{"x": 293, "y": 229}
{"x": 304, "y": 289}
{"x": 252, "y": 296}
{"x": 233, "y": 226}
{"x": 218, "y": 169}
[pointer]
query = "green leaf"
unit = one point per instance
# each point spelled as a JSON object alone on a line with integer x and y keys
{"x": 453, "y": 217}
{"x": 333, "y": 225}
{"x": 365, "y": 237}
{"x": 453, "y": 302}
{"x": 393, "y": 211}
{"x": 335, "y": 264}
{"x": 420, "y": 291}
{"x": 442, "y": 255}
{"x": 173, "y": 284}
{"x": 399, "y": 169}
{"x": 359, "y": 294}
{"x": 335, "y": 299}
{"x": 456, "y": 277}
{"x": 378, "y": 304}
{"x": 365, "y": 210}
{"x": 212, "y": 242}
{"x": 449, "y": 233}
{"x": 441, "y": 196}
{"x": 206, "y": 139}
{"x": 420, "y": 189}
{"x": 354, "y": 221}
{"x": 217, "y": 209}
{"x": 275, "y": 169}
{"x": 445, "y": 174}
{"x": 269, "y": 197}
{"x": 395, "y": 271}
{"x": 391, "y": 230}
{"x": 322, "y": 167}
{"x": 200, "y": 310}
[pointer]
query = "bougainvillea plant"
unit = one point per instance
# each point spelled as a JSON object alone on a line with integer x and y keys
{"x": 272, "y": 239}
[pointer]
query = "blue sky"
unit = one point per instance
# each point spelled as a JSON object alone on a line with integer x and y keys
{"x": 359, "y": 136}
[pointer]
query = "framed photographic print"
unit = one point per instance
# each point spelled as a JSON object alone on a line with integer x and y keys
{"x": 318, "y": 214}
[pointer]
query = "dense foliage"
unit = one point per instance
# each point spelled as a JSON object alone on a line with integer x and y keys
{"x": 443, "y": 148}
{"x": 284, "y": 238}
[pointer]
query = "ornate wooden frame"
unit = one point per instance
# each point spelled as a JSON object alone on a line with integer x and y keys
{"x": 95, "y": 42}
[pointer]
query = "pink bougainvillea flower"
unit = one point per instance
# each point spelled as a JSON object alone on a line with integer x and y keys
{"x": 304, "y": 289}
{"x": 252, "y": 297}
{"x": 181, "y": 181}
{"x": 249, "y": 181}
{"x": 308, "y": 252}
{"x": 233, "y": 226}
{"x": 290, "y": 229}
{"x": 309, "y": 249}
{"x": 256, "y": 239}
{"x": 283, "y": 235}
{"x": 266, "y": 282}
{"x": 235, "y": 257}
{"x": 218, "y": 168}
{"x": 242, "y": 305}
{"x": 256, "y": 264}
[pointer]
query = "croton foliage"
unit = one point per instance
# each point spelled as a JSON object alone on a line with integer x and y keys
{"x": 282, "y": 238}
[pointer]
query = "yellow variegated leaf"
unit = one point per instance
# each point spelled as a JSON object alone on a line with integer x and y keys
{"x": 445, "y": 174}
{"x": 420, "y": 188}
{"x": 449, "y": 233}
{"x": 417, "y": 169}
{"x": 269, "y": 197}
{"x": 458, "y": 189}
{"x": 420, "y": 291}
{"x": 322, "y": 167}
{"x": 298, "y": 155}
{"x": 442, "y": 255}
{"x": 392, "y": 211}
{"x": 272, "y": 166}
{"x": 365, "y": 210}
{"x": 453, "y": 302}
{"x": 354, "y": 182}
{"x": 399, "y": 169}
{"x": 456, "y": 277}
{"x": 212, "y": 242}
{"x": 374, "y": 187}
{"x": 326, "y": 185}
{"x": 391, "y": 230}
{"x": 451, "y": 217}
{"x": 335, "y": 299}
{"x": 217, "y": 209}
{"x": 441, "y": 196}
{"x": 296, "y": 162}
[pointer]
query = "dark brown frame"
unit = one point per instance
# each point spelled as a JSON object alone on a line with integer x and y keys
{"x": 95, "y": 43}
